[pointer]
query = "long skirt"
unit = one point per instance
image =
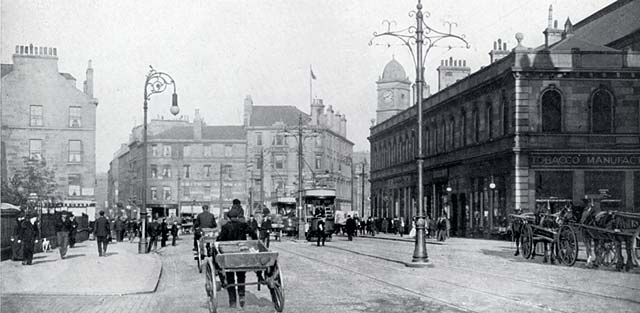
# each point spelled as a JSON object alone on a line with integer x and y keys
{"x": 16, "y": 250}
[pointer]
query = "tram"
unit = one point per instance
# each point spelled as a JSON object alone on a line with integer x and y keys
{"x": 319, "y": 204}
{"x": 284, "y": 209}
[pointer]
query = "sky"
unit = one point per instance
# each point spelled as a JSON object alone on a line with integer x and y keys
{"x": 220, "y": 51}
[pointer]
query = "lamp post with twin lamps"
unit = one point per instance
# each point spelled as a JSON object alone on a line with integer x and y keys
{"x": 421, "y": 36}
{"x": 156, "y": 82}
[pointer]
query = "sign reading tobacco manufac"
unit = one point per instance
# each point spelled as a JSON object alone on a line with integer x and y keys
{"x": 585, "y": 160}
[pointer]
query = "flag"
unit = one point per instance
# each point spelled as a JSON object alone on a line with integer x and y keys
{"x": 313, "y": 76}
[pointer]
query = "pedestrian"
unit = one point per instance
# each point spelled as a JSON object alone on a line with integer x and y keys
{"x": 16, "y": 239}
{"x": 442, "y": 229}
{"x": 119, "y": 228}
{"x": 401, "y": 226}
{"x": 431, "y": 227}
{"x": 351, "y": 226}
{"x": 63, "y": 228}
{"x": 235, "y": 229}
{"x": 253, "y": 225}
{"x": 265, "y": 228}
{"x": 29, "y": 234}
{"x": 412, "y": 232}
{"x": 363, "y": 226}
{"x": 203, "y": 220}
{"x": 385, "y": 225}
{"x": 369, "y": 225}
{"x": 153, "y": 230}
{"x": 73, "y": 232}
{"x": 322, "y": 235}
{"x": 164, "y": 233}
{"x": 132, "y": 226}
{"x": 174, "y": 233}
{"x": 102, "y": 232}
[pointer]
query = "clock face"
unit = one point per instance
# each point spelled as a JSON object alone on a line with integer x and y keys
{"x": 387, "y": 96}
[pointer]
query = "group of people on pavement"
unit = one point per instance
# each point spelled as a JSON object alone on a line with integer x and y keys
{"x": 26, "y": 234}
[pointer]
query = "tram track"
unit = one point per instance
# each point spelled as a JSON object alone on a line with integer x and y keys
{"x": 514, "y": 300}
{"x": 539, "y": 285}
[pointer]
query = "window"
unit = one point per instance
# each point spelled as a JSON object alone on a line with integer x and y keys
{"x": 227, "y": 171}
{"x": 186, "y": 150}
{"x": 154, "y": 150}
{"x": 186, "y": 192}
{"x": 35, "y": 149}
{"x": 208, "y": 151}
{"x": 463, "y": 127}
{"x": 75, "y": 117}
{"x": 35, "y": 115}
{"x": 505, "y": 114}
{"x": 75, "y": 151}
{"x": 206, "y": 190}
{"x": 278, "y": 140}
{"x": 258, "y": 139}
{"x": 279, "y": 161}
{"x": 602, "y": 112}
{"x": 489, "y": 119}
{"x": 452, "y": 124}
{"x": 166, "y": 150}
{"x": 207, "y": 171}
{"x": 318, "y": 162}
{"x": 166, "y": 193}
{"x": 259, "y": 162}
{"x": 154, "y": 193}
{"x": 74, "y": 184}
{"x": 166, "y": 171}
{"x": 551, "y": 111}
{"x": 154, "y": 171}
{"x": 476, "y": 126}
{"x": 228, "y": 150}
{"x": 186, "y": 169}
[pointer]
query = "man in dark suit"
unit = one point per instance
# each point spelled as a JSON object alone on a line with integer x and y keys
{"x": 153, "y": 230}
{"x": 102, "y": 232}
{"x": 235, "y": 229}
{"x": 203, "y": 220}
{"x": 63, "y": 228}
{"x": 351, "y": 226}
{"x": 29, "y": 234}
{"x": 73, "y": 231}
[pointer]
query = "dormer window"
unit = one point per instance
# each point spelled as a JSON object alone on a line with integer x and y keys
{"x": 75, "y": 117}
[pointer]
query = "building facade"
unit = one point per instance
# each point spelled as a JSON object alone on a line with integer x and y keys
{"x": 190, "y": 164}
{"x": 272, "y": 158}
{"x": 537, "y": 128}
{"x": 46, "y": 117}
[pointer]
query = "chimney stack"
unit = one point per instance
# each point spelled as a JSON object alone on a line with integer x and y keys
{"x": 551, "y": 34}
{"x": 88, "y": 83}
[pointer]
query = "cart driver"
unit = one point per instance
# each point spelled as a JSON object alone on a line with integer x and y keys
{"x": 236, "y": 229}
{"x": 203, "y": 220}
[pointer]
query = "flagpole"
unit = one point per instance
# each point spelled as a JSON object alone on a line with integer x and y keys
{"x": 310, "y": 86}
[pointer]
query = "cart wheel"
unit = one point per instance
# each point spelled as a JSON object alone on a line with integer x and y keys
{"x": 212, "y": 287}
{"x": 635, "y": 245}
{"x": 526, "y": 241}
{"x": 277, "y": 288}
{"x": 568, "y": 245}
{"x": 199, "y": 257}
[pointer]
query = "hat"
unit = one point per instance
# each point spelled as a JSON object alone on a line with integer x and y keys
{"x": 266, "y": 211}
{"x": 235, "y": 202}
{"x": 234, "y": 212}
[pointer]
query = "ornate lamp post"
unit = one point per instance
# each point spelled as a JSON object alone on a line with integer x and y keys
{"x": 421, "y": 36}
{"x": 156, "y": 82}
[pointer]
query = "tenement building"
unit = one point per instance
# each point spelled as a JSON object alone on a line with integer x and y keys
{"x": 190, "y": 164}
{"x": 273, "y": 146}
{"x": 45, "y": 117}
{"x": 536, "y": 128}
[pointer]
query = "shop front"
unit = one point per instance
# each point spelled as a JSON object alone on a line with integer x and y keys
{"x": 561, "y": 178}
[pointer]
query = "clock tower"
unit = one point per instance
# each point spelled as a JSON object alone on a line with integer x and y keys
{"x": 394, "y": 91}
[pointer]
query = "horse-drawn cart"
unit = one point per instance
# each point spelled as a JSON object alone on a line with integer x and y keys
{"x": 243, "y": 256}
{"x": 549, "y": 230}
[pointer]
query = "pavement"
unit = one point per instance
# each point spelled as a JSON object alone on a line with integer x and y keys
{"x": 82, "y": 272}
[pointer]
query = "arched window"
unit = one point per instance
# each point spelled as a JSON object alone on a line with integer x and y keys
{"x": 476, "y": 126}
{"x": 505, "y": 114}
{"x": 463, "y": 127}
{"x": 489, "y": 120}
{"x": 602, "y": 112}
{"x": 551, "y": 111}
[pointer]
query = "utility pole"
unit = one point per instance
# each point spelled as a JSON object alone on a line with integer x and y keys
{"x": 354, "y": 206}
{"x": 300, "y": 203}
{"x": 221, "y": 188}
{"x": 362, "y": 175}
{"x": 261, "y": 177}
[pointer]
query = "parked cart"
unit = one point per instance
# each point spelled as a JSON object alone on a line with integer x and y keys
{"x": 243, "y": 256}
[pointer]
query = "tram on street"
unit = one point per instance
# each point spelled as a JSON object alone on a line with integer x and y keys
{"x": 284, "y": 209}
{"x": 319, "y": 204}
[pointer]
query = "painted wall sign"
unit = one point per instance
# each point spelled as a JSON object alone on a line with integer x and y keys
{"x": 584, "y": 160}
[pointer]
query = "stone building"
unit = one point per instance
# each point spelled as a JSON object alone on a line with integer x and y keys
{"x": 190, "y": 164}
{"x": 273, "y": 151}
{"x": 537, "y": 128}
{"x": 45, "y": 116}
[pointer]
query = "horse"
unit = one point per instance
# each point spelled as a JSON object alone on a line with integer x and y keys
{"x": 549, "y": 221}
{"x": 605, "y": 220}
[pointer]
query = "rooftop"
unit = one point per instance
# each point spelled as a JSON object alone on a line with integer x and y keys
{"x": 208, "y": 133}
{"x": 262, "y": 115}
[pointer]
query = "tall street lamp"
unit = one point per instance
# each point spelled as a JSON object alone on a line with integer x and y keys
{"x": 156, "y": 82}
{"x": 421, "y": 36}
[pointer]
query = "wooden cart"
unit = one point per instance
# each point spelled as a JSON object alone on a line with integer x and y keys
{"x": 243, "y": 256}
{"x": 203, "y": 249}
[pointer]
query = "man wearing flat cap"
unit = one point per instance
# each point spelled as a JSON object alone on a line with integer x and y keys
{"x": 236, "y": 229}
{"x": 204, "y": 220}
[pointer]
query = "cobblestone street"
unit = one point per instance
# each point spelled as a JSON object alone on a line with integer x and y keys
{"x": 367, "y": 275}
